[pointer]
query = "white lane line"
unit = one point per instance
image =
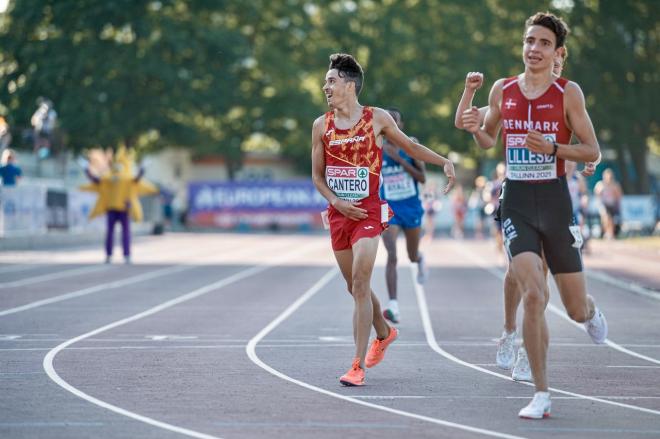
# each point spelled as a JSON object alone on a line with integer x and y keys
{"x": 463, "y": 397}
{"x": 638, "y": 367}
{"x": 250, "y": 349}
{"x": 626, "y": 285}
{"x": 555, "y": 310}
{"x": 430, "y": 338}
{"x": 17, "y": 267}
{"x": 96, "y": 288}
{"x": 50, "y": 356}
{"x": 95, "y": 267}
{"x": 117, "y": 284}
{"x": 313, "y": 343}
{"x": 53, "y": 276}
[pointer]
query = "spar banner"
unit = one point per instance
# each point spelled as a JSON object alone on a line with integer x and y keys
{"x": 275, "y": 204}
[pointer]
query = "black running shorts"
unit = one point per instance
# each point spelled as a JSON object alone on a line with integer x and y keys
{"x": 539, "y": 217}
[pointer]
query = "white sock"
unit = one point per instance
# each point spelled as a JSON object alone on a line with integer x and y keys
{"x": 393, "y": 305}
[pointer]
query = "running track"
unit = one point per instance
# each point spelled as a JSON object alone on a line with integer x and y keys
{"x": 244, "y": 336}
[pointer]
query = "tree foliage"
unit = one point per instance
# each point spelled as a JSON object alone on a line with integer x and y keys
{"x": 228, "y": 76}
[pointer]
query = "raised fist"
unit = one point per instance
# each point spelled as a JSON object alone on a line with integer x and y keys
{"x": 474, "y": 81}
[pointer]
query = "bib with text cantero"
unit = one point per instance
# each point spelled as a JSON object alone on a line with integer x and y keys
{"x": 353, "y": 160}
{"x": 544, "y": 114}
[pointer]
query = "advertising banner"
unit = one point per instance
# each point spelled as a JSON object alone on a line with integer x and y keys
{"x": 281, "y": 204}
{"x": 22, "y": 210}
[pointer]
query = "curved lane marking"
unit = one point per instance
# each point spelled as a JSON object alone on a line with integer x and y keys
{"x": 250, "y": 349}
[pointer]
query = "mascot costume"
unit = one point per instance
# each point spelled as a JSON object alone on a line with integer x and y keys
{"x": 118, "y": 196}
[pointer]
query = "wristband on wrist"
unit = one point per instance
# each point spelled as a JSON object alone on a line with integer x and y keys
{"x": 600, "y": 157}
{"x": 555, "y": 147}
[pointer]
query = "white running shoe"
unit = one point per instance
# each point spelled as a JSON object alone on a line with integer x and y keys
{"x": 539, "y": 408}
{"x": 506, "y": 350}
{"x": 422, "y": 273}
{"x": 521, "y": 371}
{"x": 391, "y": 315}
{"x": 597, "y": 327}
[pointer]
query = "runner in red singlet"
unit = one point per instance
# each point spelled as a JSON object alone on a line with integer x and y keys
{"x": 506, "y": 357}
{"x": 346, "y": 164}
{"x": 538, "y": 114}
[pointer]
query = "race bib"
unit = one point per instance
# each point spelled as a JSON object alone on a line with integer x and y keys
{"x": 523, "y": 164}
{"x": 577, "y": 236}
{"x": 350, "y": 183}
{"x": 398, "y": 186}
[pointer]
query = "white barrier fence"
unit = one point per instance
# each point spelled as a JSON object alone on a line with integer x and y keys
{"x": 32, "y": 210}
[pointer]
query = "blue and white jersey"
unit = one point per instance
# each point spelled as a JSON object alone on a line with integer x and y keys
{"x": 398, "y": 186}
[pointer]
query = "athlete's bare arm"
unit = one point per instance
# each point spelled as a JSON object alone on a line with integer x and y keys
{"x": 473, "y": 82}
{"x": 349, "y": 210}
{"x": 416, "y": 171}
{"x": 384, "y": 125}
{"x": 579, "y": 122}
{"x": 486, "y": 135}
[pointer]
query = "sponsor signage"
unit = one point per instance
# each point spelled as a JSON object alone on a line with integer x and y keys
{"x": 254, "y": 204}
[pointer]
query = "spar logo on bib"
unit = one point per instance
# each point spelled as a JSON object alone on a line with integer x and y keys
{"x": 350, "y": 183}
{"x": 523, "y": 164}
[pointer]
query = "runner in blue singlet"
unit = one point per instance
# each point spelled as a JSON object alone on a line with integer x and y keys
{"x": 401, "y": 175}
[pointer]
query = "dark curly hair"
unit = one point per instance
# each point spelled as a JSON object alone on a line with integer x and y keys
{"x": 552, "y": 22}
{"x": 348, "y": 68}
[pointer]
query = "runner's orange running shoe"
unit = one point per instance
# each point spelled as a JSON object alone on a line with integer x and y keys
{"x": 354, "y": 376}
{"x": 377, "y": 348}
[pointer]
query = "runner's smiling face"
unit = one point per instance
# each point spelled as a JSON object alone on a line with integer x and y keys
{"x": 539, "y": 49}
{"x": 337, "y": 90}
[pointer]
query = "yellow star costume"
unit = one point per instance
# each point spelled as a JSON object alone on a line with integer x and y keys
{"x": 118, "y": 186}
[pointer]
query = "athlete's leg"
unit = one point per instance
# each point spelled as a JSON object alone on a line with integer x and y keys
{"x": 527, "y": 268}
{"x": 412, "y": 243}
{"x": 364, "y": 257}
{"x": 579, "y": 306}
{"x": 389, "y": 240}
{"x": 512, "y": 299}
{"x": 345, "y": 261}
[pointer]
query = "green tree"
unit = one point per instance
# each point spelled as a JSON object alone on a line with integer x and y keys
{"x": 150, "y": 73}
{"x": 617, "y": 62}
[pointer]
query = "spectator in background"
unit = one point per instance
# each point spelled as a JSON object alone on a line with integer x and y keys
{"x": 609, "y": 193}
{"x": 493, "y": 191}
{"x": 477, "y": 202}
{"x": 9, "y": 172}
{"x": 5, "y": 134}
{"x": 577, "y": 188}
{"x": 166, "y": 199}
{"x": 459, "y": 208}
{"x": 432, "y": 205}
{"x": 43, "y": 121}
